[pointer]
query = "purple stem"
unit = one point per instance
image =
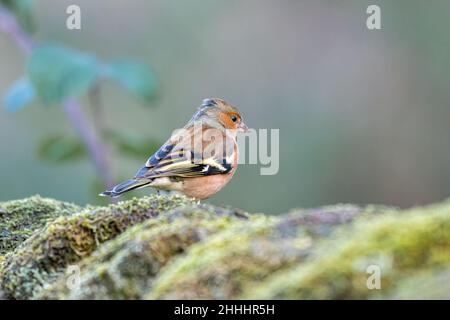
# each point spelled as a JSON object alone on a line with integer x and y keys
{"x": 9, "y": 25}
{"x": 97, "y": 150}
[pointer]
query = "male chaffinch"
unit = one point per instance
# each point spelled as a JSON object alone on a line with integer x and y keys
{"x": 198, "y": 160}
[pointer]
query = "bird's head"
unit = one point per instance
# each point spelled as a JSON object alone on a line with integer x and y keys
{"x": 220, "y": 112}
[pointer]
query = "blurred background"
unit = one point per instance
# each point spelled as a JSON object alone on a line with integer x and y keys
{"x": 363, "y": 115}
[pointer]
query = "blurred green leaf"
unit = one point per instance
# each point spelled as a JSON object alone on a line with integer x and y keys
{"x": 59, "y": 73}
{"x": 19, "y": 95}
{"x": 61, "y": 149}
{"x": 133, "y": 146}
{"x": 136, "y": 77}
{"x": 23, "y": 10}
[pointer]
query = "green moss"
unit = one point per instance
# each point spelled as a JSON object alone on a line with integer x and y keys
{"x": 19, "y": 218}
{"x": 226, "y": 264}
{"x": 42, "y": 258}
{"x": 430, "y": 284}
{"x": 125, "y": 267}
{"x": 170, "y": 247}
{"x": 401, "y": 244}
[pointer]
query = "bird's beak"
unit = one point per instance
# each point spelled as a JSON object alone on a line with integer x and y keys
{"x": 242, "y": 127}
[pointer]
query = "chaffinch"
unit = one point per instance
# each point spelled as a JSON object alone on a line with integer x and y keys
{"x": 198, "y": 160}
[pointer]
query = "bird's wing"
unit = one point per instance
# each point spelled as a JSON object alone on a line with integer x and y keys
{"x": 177, "y": 158}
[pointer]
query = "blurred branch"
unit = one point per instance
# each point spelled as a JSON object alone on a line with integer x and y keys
{"x": 97, "y": 150}
{"x": 10, "y": 26}
{"x": 96, "y": 105}
{"x": 92, "y": 140}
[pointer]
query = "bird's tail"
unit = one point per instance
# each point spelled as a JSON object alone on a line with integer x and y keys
{"x": 125, "y": 186}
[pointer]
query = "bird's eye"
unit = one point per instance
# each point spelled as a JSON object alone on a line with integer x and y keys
{"x": 234, "y": 118}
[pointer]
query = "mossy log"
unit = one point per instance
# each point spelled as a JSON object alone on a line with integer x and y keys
{"x": 403, "y": 245}
{"x": 125, "y": 267}
{"x": 20, "y": 218}
{"x": 43, "y": 257}
{"x": 171, "y": 247}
